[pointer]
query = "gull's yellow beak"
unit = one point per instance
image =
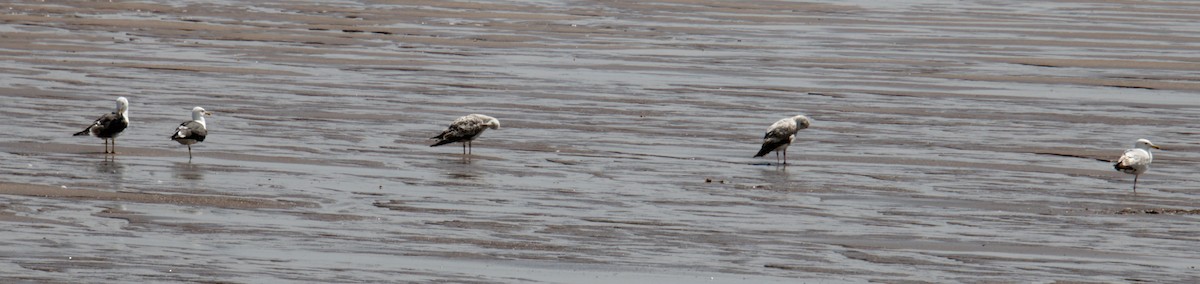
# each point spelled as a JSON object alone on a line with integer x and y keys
{"x": 209, "y": 113}
{"x": 1155, "y": 146}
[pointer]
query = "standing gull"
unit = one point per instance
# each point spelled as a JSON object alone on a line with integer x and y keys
{"x": 193, "y": 131}
{"x": 780, "y": 135}
{"x": 465, "y": 129}
{"x": 110, "y": 125}
{"x": 1136, "y": 161}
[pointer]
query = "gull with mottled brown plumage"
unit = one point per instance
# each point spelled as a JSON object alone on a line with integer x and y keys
{"x": 780, "y": 135}
{"x": 465, "y": 129}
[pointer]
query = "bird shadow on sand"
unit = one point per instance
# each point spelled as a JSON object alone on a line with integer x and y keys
{"x": 467, "y": 159}
{"x": 780, "y": 165}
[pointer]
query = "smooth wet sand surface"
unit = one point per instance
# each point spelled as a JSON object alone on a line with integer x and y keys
{"x": 952, "y": 141}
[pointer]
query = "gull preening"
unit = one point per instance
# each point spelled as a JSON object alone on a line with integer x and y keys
{"x": 110, "y": 125}
{"x": 1136, "y": 161}
{"x": 465, "y": 129}
{"x": 193, "y": 131}
{"x": 780, "y": 135}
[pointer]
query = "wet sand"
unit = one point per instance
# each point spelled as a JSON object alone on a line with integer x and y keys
{"x": 963, "y": 142}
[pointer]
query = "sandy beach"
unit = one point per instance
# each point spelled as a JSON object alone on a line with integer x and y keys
{"x": 952, "y": 141}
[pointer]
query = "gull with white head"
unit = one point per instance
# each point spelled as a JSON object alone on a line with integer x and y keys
{"x": 193, "y": 131}
{"x": 110, "y": 125}
{"x": 1136, "y": 161}
{"x": 780, "y": 135}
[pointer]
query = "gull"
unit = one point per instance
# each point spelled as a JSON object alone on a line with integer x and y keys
{"x": 110, "y": 125}
{"x": 1136, "y": 161}
{"x": 780, "y": 135}
{"x": 465, "y": 129}
{"x": 192, "y": 131}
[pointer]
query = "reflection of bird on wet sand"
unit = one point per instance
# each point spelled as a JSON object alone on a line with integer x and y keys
{"x": 188, "y": 171}
{"x": 110, "y": 125}
{"x": 193, "y": 131}
{"x": 110, "y": 166}
{"x": 465, "y": 129}
{"x": 1136, "y": 161}
{"x": 463, "y": 174}
{"x": 780, "y": 135}
{"x": 110, "y": 171}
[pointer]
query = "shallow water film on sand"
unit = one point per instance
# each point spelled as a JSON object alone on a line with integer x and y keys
{"x": 951, "y": 141}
